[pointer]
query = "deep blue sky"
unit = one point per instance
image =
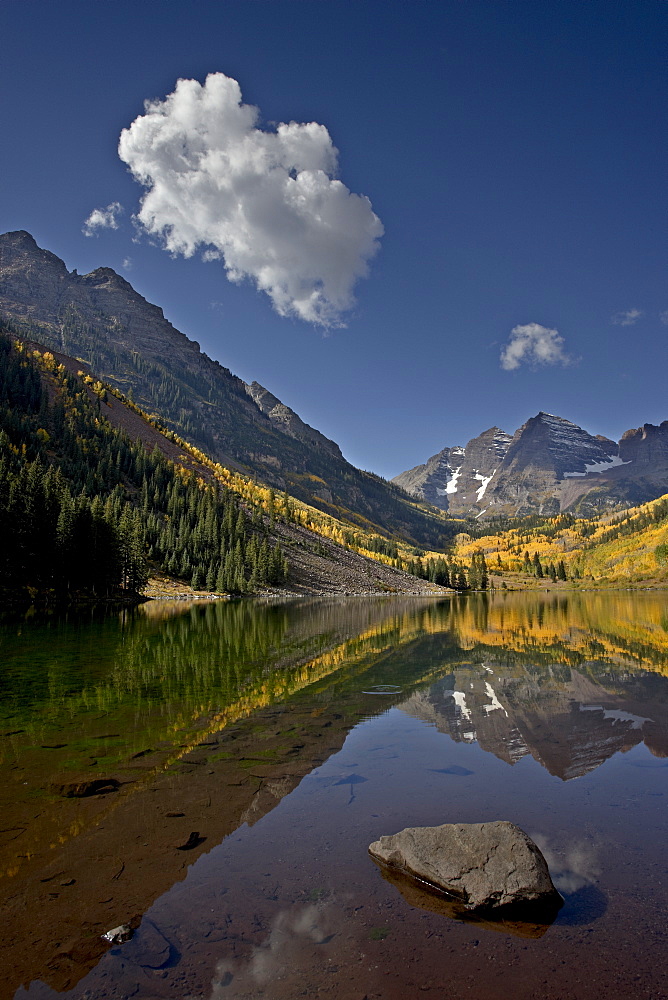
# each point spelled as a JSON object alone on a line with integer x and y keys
{"x": 514, "y": 151}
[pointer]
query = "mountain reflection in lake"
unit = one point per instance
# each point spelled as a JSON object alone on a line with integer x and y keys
{"x": 213, "y": 774}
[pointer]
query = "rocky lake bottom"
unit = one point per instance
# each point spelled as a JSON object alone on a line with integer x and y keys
{"x": 213, "y": 774}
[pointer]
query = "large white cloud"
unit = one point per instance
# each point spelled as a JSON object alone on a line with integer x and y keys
{"x": 533, "y": 344}
{"x": 266, "y": 202}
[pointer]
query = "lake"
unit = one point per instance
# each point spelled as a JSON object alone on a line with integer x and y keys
{"x": 213, "y": 773}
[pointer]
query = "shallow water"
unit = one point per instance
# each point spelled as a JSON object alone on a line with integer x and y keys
{"x": 286, "y": 738}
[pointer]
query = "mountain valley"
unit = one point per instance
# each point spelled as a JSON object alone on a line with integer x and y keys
{"x": 552, "y": 490}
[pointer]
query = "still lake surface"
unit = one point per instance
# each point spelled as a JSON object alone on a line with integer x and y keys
{"x": 214, "y": 773}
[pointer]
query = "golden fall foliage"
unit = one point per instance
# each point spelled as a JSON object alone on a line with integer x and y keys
{"x": 619, "y": 548}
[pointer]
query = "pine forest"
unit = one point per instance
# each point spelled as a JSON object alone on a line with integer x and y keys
{"x": 88, "y": 508}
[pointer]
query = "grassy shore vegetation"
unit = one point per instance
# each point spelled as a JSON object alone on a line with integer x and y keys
{"x": 85, "y": 508}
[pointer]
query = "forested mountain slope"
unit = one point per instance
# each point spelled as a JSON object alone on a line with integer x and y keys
{"x": 100, "y": 319}
{"x": 625, "y": 548}
{"x": 92, "y": 495}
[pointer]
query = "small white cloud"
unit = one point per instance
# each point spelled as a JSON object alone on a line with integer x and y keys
{"x": 127, "y": 264}
{"x": 664, "y": 317}
{"x": 266, "y": 201}
{"x": 627, "y": 317}
{"x": 534, "y": 345}
{"x": 102, "y": 218}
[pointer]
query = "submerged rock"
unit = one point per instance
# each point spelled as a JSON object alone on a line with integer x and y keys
{"x": 83, "y": 789}
{"x": 150, "y": 948}
{"x": 193, "y": 841}
{"x": 532, "y": 920}
{"x": 484, "y": 866}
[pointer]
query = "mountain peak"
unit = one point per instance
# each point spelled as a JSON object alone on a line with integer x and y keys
{"x": 264, "y": 399}
{"x": 20, "y": 237}
{"x": 550, "y": 464}
{"x": 106, "y": 276}
{"x": 286, "y": 420}
{"x": 19, "y": 250}
{"x": 552, "y": 419}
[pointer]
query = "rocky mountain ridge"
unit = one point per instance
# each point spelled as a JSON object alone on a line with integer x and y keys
{"x": 550, "y": 464}
{"x": 286, "y": 420}
{"x": 101, "y": 320}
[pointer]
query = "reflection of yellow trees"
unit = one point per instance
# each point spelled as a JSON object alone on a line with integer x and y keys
{"x": 235, "y": 658}
{"x": 179, "y": 672}
{"x": 173, "y": 679}
{"x": 220, "y": 699}
{"x": 170, "y": 682}
{"x": 624, "y": 627}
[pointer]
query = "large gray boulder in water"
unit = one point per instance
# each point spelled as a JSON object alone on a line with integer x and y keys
{"x": 484, "y": 866}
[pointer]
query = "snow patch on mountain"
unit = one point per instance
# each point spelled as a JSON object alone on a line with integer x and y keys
{"x": 608, "y": 463}
{"x": 549, "y": 464}
{"x": 485, "y": 480}
{"x": 451, "y": 485}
